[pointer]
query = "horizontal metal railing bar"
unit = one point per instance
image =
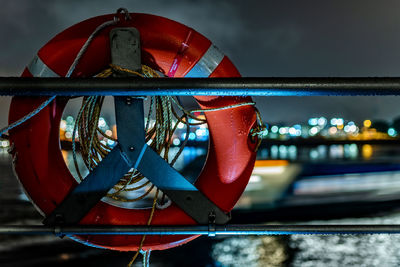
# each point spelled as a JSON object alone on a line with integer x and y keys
{"x": 264, "y": 86}
{"x": 245, "y": 229}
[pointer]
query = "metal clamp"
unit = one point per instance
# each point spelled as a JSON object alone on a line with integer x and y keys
{"x": 212, "y": 230}
{"x": 58, "y": 232}
{"x": 211, "y": 224}
{"x": 122, "y": 10}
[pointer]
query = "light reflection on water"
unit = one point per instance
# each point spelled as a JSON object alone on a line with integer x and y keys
{"x": 313, "y": 250}
{"x": 308, "y": 250}
{"x": 251, "y": 251}
{"x": 348, "y": 250}
{"x": 321, "y": 152}
{"x": 296, "y": 250}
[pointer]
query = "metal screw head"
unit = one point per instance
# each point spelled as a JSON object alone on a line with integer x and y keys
{"x": 131, "y": 148}
{"x": 212, "y": 217}
{"x": 128, "y": 100}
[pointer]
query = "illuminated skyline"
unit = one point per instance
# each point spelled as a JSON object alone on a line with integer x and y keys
{"x": 265, "y": 38}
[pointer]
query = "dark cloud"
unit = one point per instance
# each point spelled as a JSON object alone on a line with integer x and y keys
{"x": 263, "y": 38}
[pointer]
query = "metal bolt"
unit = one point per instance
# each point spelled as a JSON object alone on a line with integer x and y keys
{"x": 211, "y": 217}
{"x": 128, "y": 100}
{"x": 131, "y": 148}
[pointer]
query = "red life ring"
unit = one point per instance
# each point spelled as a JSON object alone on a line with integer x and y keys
{"x": 38, "y": 159}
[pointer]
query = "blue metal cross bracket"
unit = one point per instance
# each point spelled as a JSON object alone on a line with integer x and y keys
{"x": 129, "y": 114}
{"x": 133, "y": 152}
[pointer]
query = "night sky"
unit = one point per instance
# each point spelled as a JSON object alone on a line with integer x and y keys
{"x": 263, "y": 38}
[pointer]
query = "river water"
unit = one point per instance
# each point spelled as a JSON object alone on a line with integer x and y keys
{"x": 296, "y": 250}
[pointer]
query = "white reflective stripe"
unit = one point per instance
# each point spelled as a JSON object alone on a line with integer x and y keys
{"x": 207, "y": 64}
{"x": 39, "y": 69}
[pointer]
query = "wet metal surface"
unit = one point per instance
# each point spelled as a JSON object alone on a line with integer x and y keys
{"x": 244, "y": 86}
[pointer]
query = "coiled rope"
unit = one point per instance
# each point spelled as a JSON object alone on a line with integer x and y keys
{"x": 25, "y": 118}
{"x": 158, "y": 137}
{"x": 166, "y": 110}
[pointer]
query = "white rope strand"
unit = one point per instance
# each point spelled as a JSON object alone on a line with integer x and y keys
{"x": 87, "y": 43}
{"x": 26, "y": 117}
{"x": 69, "y": 73}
